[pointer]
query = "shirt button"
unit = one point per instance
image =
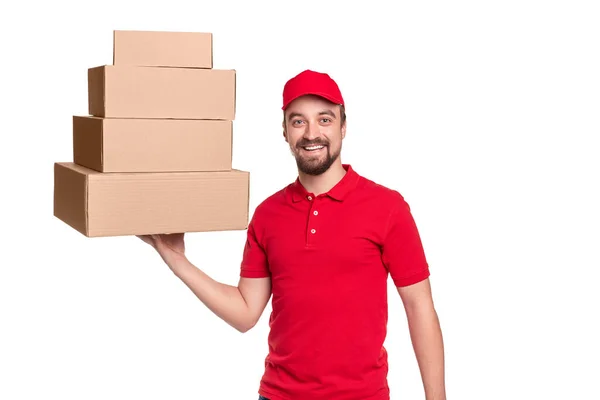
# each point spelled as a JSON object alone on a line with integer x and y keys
{"x": 309, "y": 197}
{"x": 313, "y": 231}
{"x": 316, "y": 212}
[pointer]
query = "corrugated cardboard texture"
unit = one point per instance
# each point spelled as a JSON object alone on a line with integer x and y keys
{"x": 96, "y": 91}
{"x": 150, "y": 92}
{"x": 87, "y": 142}
{"x": 98, "y": 204}
{"x": 70, "y": 197}
{"x": 163, "y": 49}
{"x": 152, "y": 145}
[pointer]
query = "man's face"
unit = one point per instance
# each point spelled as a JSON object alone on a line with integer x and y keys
{"x": 314, "y": 131}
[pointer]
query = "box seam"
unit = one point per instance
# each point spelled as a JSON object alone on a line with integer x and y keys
{"x": 86, "y": 202}
{"x": 102, "y": 163}
{"x": 104, "y": 111}
{"x": 211, "y": 51}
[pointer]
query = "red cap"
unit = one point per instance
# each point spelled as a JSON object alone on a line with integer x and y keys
{"x": 311, "y": 82}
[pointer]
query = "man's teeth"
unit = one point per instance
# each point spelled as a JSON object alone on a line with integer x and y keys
{"x": 313, "y": 147}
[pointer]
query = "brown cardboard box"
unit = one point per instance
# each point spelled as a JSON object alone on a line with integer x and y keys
{"x": 99, "y": 204}
{"x": 117, "y": 91}
{"x": 152, "y": 145}
{"x": 163, "y": 49}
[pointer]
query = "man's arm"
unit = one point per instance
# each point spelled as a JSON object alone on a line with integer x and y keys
{"x": 240, "y": 307}
{"x": 426, "y": 336}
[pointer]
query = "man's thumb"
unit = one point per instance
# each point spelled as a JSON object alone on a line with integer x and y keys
{"x": 157, "y": 242}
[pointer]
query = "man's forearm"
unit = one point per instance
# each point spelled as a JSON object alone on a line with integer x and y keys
{"x": 428, "y": 345}
{"x": 224, "y": 300}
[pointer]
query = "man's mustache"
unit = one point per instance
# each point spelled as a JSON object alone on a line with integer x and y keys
{"x": 317, "y": 142}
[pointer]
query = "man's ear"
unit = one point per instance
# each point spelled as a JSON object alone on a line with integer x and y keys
{"x": 344, "y": 130}
{"x": 284, "y": 131}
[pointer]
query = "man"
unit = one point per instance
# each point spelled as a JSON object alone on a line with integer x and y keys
{"x": 324, "y": 247}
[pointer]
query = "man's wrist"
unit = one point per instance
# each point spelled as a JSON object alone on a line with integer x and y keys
{"x": 177, "y": 263}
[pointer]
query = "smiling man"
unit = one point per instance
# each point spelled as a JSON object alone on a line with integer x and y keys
{"x": 324, "y": 247}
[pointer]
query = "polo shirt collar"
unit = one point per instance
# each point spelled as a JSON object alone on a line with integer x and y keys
{"x": 338, "y": 192}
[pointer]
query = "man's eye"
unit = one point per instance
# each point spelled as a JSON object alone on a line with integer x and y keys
{"x": 326, "y": 120}
{"x": 296, "y": 122}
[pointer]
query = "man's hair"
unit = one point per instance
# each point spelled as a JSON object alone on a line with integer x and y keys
{"x": 343, "y": 113}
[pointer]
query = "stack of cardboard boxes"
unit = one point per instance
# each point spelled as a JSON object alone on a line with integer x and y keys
{"x": 155, "y": 153}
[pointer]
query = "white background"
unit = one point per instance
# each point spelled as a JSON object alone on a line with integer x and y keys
{"x": 484, "y": 115}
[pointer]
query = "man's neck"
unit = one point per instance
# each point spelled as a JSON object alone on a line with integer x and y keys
{"x": 323, "y": 183}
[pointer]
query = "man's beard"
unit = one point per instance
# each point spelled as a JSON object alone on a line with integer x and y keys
{"x": 315, "y": 165}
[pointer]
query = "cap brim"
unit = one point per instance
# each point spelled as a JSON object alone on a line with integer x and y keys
{"x": 314, "y": 93}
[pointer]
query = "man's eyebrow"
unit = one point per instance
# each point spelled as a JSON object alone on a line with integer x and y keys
{"x": 297, "y": 114}
{"x": 327, "y": 112}
{"x": 294, "y": 115}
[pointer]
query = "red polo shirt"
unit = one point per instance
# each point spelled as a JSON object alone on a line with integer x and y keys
{"x": 329, "y": 257}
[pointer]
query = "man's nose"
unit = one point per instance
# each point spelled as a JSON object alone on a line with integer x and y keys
{"x": 312, "y": 131}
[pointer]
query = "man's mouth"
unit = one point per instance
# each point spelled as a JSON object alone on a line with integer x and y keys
{"x": 313, "y": 148}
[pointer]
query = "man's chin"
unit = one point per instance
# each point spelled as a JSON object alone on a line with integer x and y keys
{"x": 313, "y": 167}
{"x": 313, "y": 171}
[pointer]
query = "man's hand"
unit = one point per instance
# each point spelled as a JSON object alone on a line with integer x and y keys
{"x": 240, "y": 306}
{"x": 171, "y": 247}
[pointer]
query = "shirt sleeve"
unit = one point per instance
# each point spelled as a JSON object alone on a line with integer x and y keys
{"x": 254, "y": 261}
{"x": 402, "y": 251}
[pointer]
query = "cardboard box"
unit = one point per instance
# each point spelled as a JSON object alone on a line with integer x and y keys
{"x": 152, "y": 145}
{"x": 99, "y": 204}
{"x": 147, "y": 92}
{"x": 163, "y": 49}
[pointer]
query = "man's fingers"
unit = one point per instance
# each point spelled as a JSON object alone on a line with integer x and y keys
{"x": 146, "y": 239}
